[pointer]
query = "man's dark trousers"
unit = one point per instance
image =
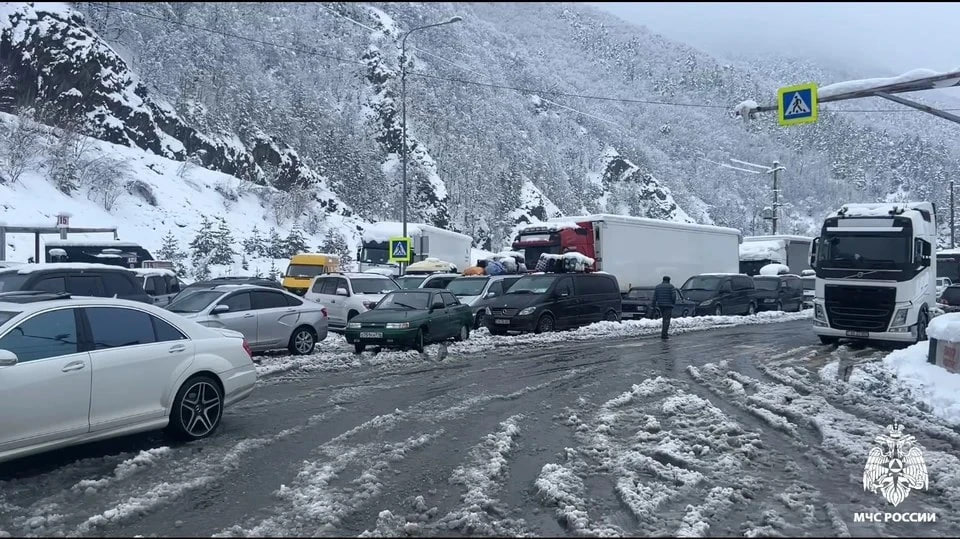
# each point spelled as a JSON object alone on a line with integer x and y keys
{"x": 666, "y": 312}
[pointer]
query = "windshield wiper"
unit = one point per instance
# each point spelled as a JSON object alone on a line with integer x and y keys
{"x": 411, "y": 307}
{"x": 520, "y": 292}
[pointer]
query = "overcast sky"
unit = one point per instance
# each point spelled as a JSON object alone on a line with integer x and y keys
{"x": 862, "y": 38}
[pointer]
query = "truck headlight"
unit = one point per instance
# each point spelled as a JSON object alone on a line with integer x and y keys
{"x": 526, "y": 312}
{"x": 353, "y": 325}
{"x": 398, "y": 325}
{"x": 900, "y": 319}
{"x": 818, "y": 312}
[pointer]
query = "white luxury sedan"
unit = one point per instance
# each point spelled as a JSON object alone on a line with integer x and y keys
{"x": 75, "y": 370}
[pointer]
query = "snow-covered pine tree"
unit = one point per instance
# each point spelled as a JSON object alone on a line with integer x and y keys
{"x": 275, "y": 247}
{"x": 295, "y": 243}
{"x": 201, "y": 249}
{"x": 244, "y": 264}
{"x": 223, "y": 252}
{"x": 273, "y": 273}
{"x": 170, "y": 250}
{"x": 333, "y": 243}
{"x": 253, "y": 245}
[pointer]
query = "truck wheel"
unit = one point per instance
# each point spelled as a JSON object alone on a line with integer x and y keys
{"x": 545, "y": 324}
{"x": 684, "y": 313}
{"x": 828, "y": 340}
{"x": 612, "y": 316}
{"x": 418, "y": 341}
{"x": 922, "y": 320}
{"x": 478, "y": 321}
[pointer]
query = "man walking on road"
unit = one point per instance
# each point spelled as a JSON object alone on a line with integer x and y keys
{"x": 663, "y": 298}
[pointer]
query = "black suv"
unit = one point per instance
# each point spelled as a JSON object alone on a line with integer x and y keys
{"x": 544, "y": 302}
{"x": 721, "y": 293}
{"x": 98, "y": 280}
{"x": 778, "y": 292}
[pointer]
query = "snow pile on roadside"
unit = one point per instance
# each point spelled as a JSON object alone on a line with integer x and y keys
{"x": 928, "y": 383}
{"x": 945, "y": 327}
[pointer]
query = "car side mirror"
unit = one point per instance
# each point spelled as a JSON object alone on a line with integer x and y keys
{"x": 342, "y": 292}
{"x": 436, "y": 305}
{"x": 563, "y": 294}
{"x": 220, "y": 309}
{"x": 8, "y": 358}
{"x": 813, "y": 252}
{"x": 491, "y": 295}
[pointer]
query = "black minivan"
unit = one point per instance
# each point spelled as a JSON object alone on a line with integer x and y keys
{"x": 544, "y": 302}
{"x": 778, "y": 292}
{"x": 721, "y": 293}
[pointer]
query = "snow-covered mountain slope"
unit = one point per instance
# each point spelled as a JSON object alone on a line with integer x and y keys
{"x": 308, "y": 95}
{"x": 151, "y": 197}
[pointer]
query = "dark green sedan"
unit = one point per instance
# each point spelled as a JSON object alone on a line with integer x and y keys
{"x": 411, "y": 319}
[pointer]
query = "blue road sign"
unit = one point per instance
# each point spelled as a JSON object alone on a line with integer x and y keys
{"x": 797, "y": 104}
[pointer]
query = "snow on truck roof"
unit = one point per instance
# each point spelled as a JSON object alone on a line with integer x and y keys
{"x": 383, "y": 231}
{"x": 89, "y": 243}
{"x": 880, "y": 209}
{"x": 752, "y": 239}
{"x": 762, "y": 250}
{"x": 30, "y": 268}
{"x": 645, "y": 221}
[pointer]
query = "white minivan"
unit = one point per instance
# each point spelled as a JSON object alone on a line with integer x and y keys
{"x": 346, "y": 295}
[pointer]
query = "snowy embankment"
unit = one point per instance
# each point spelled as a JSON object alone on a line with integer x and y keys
{"x": 335, "y": 354}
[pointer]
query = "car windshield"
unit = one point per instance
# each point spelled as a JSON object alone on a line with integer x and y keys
{"x": 303, "y": 270}
{"x": 864, "y": 250}
{"x": 408, "y": 282}
{"x": 6, "y": 315}
{"x": 375, "y": 253}
{"x": 702, "y": 283}
{"x": 374, "y": 286}
{"x": 195, "y": 302}
{"x": 11, "y": 281}
{"x": 405, "y": 300}
{"x": 640, "y": 293}
{"x": 766, "y": 284}
{"x": 535, "y": 284}
{"x": 469, "y": 286}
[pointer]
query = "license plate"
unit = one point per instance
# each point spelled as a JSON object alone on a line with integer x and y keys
{"x": 371, "y": 335}
{"x": 503, "y": 321}
{"x": 857, "y": 334}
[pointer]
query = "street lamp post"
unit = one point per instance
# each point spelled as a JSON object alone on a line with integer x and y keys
{"x": 403, "y": 107}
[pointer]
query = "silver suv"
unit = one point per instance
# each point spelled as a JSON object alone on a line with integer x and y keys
{"x": 346, "y": 295}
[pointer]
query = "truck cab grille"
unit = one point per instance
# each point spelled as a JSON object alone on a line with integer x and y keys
{"x": 860, "y": 308}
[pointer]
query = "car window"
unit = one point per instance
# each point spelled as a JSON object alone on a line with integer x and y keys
{"x": 292, "y": 301}
{"x": 341, "y": 283}
{"x": 49, "y": 334}
{"x": 496, "y": 288}
{"x": 742, "y": 283}
{"x": 262, "y": 299}
{"x": 165, "y": 332}
{"x": 86, "y": 285}
{"x": 611, "y": 285}
{"x": 508, "y": 282}
{"x": 6, "y": 315}
{"x": 11, "y": 281}
{"x": 173, "y": 284}
{"x": 565, "y": 285}
{"x": 149, "y": 285}
{"x": 193, "y": 300}
{"x": 318, "y": 285}
{"x": 121, "y": 285}
{"x": 437, "y": 283}
{"x": 373, "y": 286}
{"x": 113, "y": 327}
{"x": 51, "y": 284}
{"x": 237, "y": 302}
{"x": 449, "y": 299}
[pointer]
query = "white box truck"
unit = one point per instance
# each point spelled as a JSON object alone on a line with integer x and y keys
{"x": 758, "y": 251}
{"x": 428, "y": 242}
{"x": 876, "y": 272}
{"x": 636, "y": 250}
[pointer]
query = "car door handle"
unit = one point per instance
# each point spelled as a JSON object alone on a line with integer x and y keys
{"x": 177, "y": 348}
{"x": 291, "y": 310}
{"x": 73, "y": 366}
{"x": 249, "y": 315}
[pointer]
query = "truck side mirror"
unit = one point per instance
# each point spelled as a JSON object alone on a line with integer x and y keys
{"x": 814, "y": 245}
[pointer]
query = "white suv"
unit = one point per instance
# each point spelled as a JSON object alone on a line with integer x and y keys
{"x": 346, "y": 295}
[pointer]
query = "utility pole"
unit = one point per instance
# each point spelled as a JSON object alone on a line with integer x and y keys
{"x": 774, "y": 216}
{"x": 953, "y": 228}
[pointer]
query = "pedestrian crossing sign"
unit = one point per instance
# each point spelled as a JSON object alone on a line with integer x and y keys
{"x": 400, "y": 250}
{"x": 797, "y": 104}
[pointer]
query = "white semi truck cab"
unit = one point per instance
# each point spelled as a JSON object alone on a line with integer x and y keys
{"x": 875, "y": 272}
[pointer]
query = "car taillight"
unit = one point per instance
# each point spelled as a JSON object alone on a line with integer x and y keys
{"x": 246, "y": 348}
{"x": 324, "y": 311}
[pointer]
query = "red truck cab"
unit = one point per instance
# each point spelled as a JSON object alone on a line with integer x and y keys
{"x": 555, "y": 239}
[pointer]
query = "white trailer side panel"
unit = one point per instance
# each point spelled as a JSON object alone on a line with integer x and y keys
{"x": 446, "y": 246}
{"x": 642, "y": 253}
